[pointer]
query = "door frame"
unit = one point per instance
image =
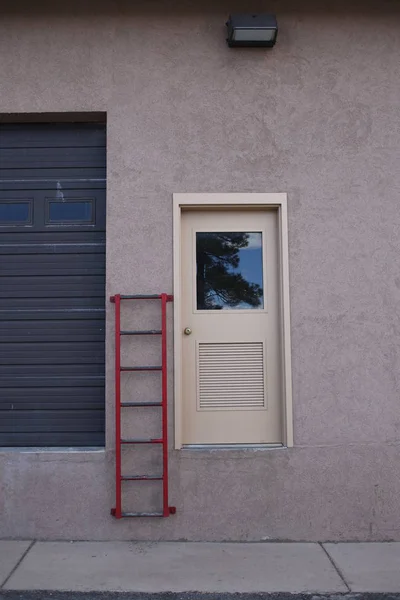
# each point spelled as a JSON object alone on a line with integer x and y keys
{"x": 278, "y": 201}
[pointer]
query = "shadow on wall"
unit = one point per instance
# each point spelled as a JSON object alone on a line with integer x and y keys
{"x": 193, "y": 7}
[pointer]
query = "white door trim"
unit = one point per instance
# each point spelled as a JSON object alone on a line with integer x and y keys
{"x": 234, "y": 200}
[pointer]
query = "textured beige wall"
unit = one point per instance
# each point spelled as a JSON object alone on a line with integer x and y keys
{"x": 317, "y": 117}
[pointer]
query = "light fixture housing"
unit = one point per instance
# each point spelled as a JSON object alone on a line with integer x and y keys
{"x": 249, "y": 30}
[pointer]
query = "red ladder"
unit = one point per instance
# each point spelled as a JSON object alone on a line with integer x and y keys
{"x": 163, "y": 440}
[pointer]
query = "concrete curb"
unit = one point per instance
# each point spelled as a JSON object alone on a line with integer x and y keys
{"x": 55, "y": 595}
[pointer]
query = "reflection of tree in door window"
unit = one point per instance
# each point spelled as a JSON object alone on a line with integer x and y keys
{"x": 229, "y": 270}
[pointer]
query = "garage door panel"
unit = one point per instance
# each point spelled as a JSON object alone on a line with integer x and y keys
{"x": 46, "y": 173}
{"x": 20, "y": 421}
{"x": 52, "y": 211}
{"x": 15, "y": 187}
{"x": 71, "y": 381}
{"x": 53, "y": 236}
{"x": 62, "y": 304}
{"x": 24, "y": 270}
{"x": 68, "y": 286}
{"x": 49, "y": 439}
{"x": 52, "y": 262}
{"x": 48, "y": 267}
{"x": 36, "y": 248}
{"x": 52, "y": 158}
{"x": 48, "y": 135}
{"x": 53, "y": 353}
{"x": 52, "y": 284}
{"x": 51, "y": 369}
{"x": 50, "y": 398}
{"x": 52, "y": 331}
{"x": 47, "y": 315}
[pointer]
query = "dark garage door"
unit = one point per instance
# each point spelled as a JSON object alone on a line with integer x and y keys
{"x": 52, "y": 284}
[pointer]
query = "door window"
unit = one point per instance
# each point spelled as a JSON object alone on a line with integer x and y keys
{"x": 229, "y": 270}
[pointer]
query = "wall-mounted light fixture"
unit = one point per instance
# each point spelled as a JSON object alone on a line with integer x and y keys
{"x": 252, "y": 30}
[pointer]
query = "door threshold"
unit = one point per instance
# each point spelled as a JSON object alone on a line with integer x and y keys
{"x": 232, "y": 446}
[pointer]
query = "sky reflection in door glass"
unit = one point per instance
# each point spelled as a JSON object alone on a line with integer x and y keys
{"x": 229, "y": 270}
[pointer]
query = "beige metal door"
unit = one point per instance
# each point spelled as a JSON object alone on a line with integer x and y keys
{"x": 230, "y": 327}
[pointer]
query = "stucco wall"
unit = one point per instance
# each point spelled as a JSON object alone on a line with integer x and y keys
{"x": 317, "y": 117}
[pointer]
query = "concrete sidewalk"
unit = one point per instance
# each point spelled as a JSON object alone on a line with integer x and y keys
{"x": 199, "y": 567}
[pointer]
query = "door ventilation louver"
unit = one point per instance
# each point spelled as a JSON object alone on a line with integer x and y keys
{"x": 231, "y": 376}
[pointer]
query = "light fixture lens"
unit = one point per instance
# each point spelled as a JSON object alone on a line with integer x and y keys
{"x": 254, "y": 35}
{"x": 252, "y": 30}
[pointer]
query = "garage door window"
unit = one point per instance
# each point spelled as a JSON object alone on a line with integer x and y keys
{"x": 71, "y": 211}
{"x": 15, "y": 213}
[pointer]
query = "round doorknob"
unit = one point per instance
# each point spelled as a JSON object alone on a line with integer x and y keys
{"x": 187, "y": 331}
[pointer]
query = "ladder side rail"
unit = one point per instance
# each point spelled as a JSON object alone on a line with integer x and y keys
{"x": 118, "y": 480}
{"x": 164, "y": 401}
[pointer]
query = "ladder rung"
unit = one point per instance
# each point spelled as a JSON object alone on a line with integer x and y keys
{"x": 134, "y": 404}
{"x": 142, "y": 514}
{"x": 141, "y": 368}
{"x": 141, "y": 297}
{"x": 141, "y": 478}
{"x": 142, "y": 332}
{"x": 141, "y": 441}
